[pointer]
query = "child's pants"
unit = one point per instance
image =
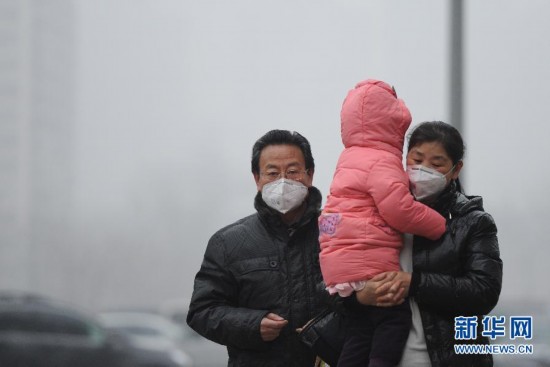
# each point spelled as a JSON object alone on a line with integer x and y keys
{"x": 376, "y": 335}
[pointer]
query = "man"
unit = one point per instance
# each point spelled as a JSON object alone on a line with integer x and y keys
{"x": 259, "y": 280}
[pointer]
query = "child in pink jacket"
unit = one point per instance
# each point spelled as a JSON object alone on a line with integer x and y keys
{"x": 367, "y": 210}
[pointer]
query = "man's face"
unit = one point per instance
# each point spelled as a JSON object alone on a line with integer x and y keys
{"x": 282, "y": 159}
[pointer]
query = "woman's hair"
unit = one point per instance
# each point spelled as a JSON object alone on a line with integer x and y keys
{"x": 443, "y": 133}
{"x": 281, "y": 137}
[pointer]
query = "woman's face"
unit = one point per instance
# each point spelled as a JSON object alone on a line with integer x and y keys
{"x": 433, "y": 155}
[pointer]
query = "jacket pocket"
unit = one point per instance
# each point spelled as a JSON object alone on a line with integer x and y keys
{"x": 247, "y": 266}
{"x": 261, "y": 283}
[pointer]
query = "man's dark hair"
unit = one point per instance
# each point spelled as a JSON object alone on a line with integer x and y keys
{"x": 281, "y": 137}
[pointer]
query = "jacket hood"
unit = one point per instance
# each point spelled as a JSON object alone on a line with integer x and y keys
{"x": 465, "y": 204}
{"x": 372, "y": 116}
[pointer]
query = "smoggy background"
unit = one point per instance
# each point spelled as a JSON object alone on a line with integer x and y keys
{"x": 126, "y": 126}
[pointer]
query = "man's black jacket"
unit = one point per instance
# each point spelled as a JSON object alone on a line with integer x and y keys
{"x": 253, "y": 267}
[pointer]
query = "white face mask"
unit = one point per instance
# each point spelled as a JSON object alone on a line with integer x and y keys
{"x": 426, "y": 182}
{"x": 284, "y": 195}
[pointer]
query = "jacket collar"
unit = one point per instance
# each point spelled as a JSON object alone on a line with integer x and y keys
{"x": 272, "y": 218}
{"x": 451, "y": 202}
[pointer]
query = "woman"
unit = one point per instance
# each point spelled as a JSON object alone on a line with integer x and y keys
{"x": 458, "y": 275}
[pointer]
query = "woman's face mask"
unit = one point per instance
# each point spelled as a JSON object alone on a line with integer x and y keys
{"x": 426, "y": 183}
{"x": 284, "y": 195}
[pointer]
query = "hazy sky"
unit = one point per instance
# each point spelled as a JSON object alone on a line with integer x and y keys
{"x": 172, "y": 94}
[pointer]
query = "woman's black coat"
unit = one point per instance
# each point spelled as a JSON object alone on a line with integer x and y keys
{"x": 458, "y": 275}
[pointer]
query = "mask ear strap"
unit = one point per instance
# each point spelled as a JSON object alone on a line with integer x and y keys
{"x": 458, "y": 185}
{"x": 451, "y": 170}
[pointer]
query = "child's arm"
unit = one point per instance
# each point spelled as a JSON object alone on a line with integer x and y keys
{"x": 388, "y": 184}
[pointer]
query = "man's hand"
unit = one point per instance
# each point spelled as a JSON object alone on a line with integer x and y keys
{"x": 271, "y": 326}
{"x": 299, "y": 330}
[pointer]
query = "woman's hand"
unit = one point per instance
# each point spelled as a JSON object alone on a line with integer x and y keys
{"x": 374, "y": 288}
{"x": 394, "y": 292}
{"x": 385, "y": 289}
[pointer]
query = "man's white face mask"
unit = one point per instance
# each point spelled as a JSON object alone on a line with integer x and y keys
{"x": 426, "y": 183}
{"x": 284, "y": 195}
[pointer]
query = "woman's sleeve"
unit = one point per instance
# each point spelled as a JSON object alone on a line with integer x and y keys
{"x": 477, "y": 290}
{"x": 213, "y": 312}
{"x": 388, "y": 185}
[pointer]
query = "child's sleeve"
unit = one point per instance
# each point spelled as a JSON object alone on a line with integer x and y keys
{"x": 388, "y": 184}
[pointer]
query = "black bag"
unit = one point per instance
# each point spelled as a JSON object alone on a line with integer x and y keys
{"x": 325, "y": 335}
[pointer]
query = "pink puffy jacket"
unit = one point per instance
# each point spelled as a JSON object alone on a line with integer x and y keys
{"x": 370, "y": 203}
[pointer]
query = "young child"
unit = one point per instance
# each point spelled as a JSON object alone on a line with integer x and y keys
{"x": 368, "y": 208}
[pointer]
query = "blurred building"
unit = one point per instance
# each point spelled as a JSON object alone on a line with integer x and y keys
{"x": 37, "y": 66}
